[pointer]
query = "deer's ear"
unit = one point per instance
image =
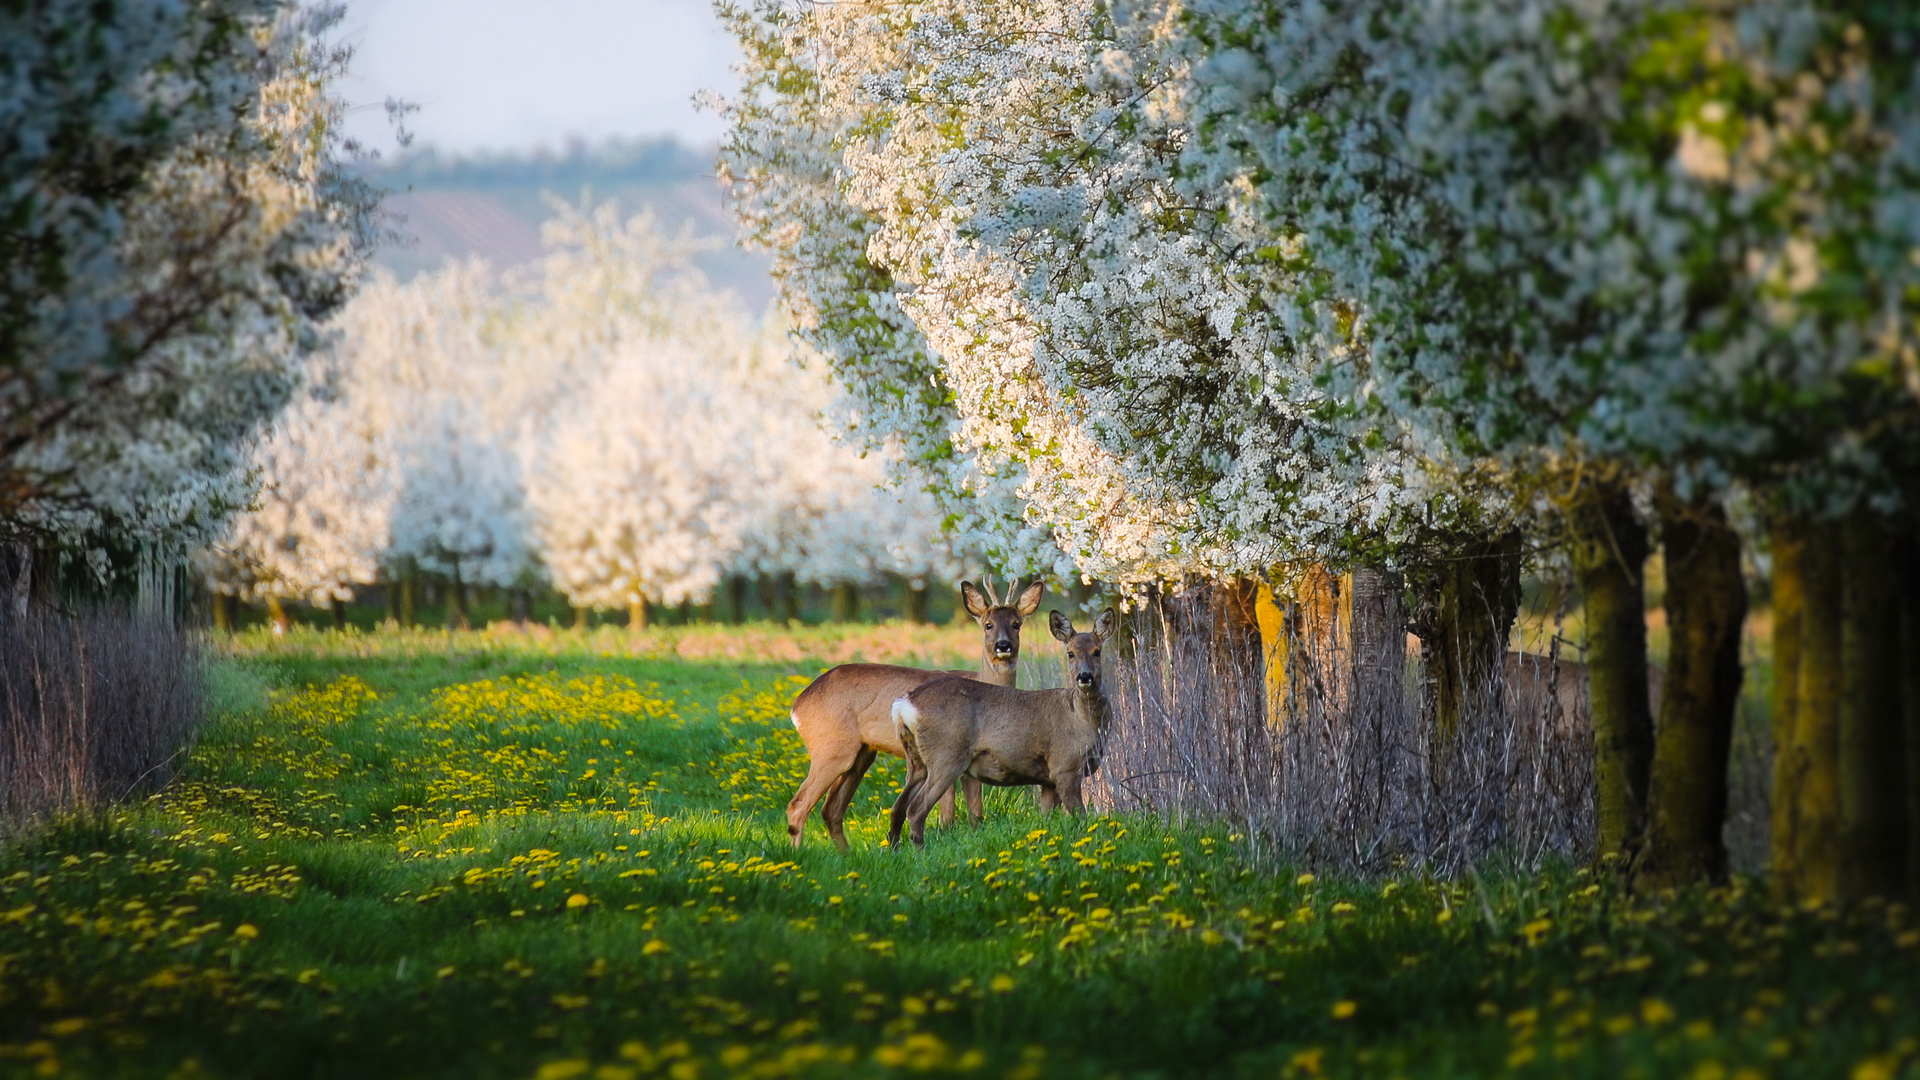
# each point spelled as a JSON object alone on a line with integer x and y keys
{"x": 975, "y": 601}
{"x": 1103, "y": 624}
{"x": 1061, "y": 626}
{"x": 1030, "y": 599}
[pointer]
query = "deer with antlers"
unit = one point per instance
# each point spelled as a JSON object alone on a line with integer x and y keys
{"x": 956, "y": 728}
{"x": 844, "y": 717}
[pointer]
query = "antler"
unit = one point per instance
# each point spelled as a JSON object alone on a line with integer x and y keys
{"x": 987, "y": 580}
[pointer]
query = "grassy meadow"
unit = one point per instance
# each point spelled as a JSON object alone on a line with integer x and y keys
{"x": 551, "y": 855}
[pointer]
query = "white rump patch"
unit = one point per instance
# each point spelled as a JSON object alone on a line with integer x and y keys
{"x": 906, "y": 715}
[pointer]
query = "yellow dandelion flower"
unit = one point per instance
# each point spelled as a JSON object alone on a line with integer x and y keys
{"x": 1344, "y": 1010}
{"x": 1001, "y": 983}
{"x": 1655, "y": 1011}
{"x": 577, "y": 900}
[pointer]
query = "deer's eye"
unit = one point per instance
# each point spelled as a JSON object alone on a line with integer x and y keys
{"x": 1069, "y": 654}
{"x": 1016, "y": 624}
{"x": 1096, "y": 654}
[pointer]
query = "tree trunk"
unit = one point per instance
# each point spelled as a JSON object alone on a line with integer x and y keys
{"x": 223, "y": 613}
{"x": 406, "y": 598}
{"x": 1789, "y": 604}
{"x": 1274, "y": 621}
{"x": 1466, "y": 617}
{"x": 846, "y": 602}
{"x": 685, "y": 613}
{"x": 582, "y": 619}
{"x": 1706, "y": 607}
{"x": 339, "y": 610}
{"x": 1873, "y": 760}
{"x": 790, "y": 597}
{"x": 520, "y": 606}
{"x": 1909, "y": 563}
{"x": 1379, "y": 638}
{"x": 277, "y": 615}
{"x": 917, "y": 604}
{"x": 16, "y": 570}
{"x": 769, "y": 593}
{"x": 639, "y": 614}
{"x": 1315, "y": 646}
{"x": 736, "y": 599}
{"x": 457, "y": 602}
{"x": 1817, "y": 718}
{"x": 1608, "y": 550}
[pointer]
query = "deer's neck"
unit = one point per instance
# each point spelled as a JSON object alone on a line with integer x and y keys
{"x": 996, "y": 671}
{"x": 1090, "y": 707}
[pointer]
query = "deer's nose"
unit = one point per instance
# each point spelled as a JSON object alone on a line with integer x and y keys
{"x": 1003, "y": 645}
{"x": 1086, "y": 678}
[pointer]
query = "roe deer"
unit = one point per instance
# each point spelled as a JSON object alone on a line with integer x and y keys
{"x": 844, "y": 717}
{"x": 1005, "y": 737}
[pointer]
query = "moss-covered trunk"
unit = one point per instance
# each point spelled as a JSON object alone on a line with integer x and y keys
{"x": 457, "y": 602}
{"x": 1816, "y": 734}
{"x": 406, "y": 598}
{"x": 1873, "y": 762}
{"x": 790, "y": 597}
{"x": 1706, "y": 607}
{"x": 223, "y": 612}
{"x": 917, "y": 604}
{"x": 1468, "y": 604}
{"x": 338, "y": 608}
{"x": 736, "y": 599}
{"x": 1608, "y": 550}
{"x": 846, "y": 602}
{"x": 1789, "y": 602}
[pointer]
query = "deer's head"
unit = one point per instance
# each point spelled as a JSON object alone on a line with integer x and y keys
{"x": 1000, "y": 622}
{"x": 1083, "y": 647}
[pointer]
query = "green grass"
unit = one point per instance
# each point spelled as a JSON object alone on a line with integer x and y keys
{"x": 459, "y": 857}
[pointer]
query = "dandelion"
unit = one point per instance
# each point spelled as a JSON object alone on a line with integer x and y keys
{"x": 1344, "y": 1010}
{"x": 577, "y": 900}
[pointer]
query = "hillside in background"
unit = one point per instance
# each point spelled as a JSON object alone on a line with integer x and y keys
{"x": 493, "y": 205}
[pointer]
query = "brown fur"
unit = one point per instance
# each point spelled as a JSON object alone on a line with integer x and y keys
{"x": 1001, "y": 736}
{"x": 844, "y": 716}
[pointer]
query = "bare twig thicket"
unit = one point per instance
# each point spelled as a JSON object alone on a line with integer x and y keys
{"x": 1351, "y": 774}
{"x": 94, "y": 708}
{"x": 1342, "y": 774}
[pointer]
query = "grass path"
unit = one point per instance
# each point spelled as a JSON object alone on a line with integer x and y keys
{"x": 518, "y": 863}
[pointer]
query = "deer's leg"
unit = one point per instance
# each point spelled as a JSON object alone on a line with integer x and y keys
{"x": 1049, "y": 798}
{"x": 976, "y": 809}
{"x": 1068, "y": 787}
{"x": 823, "y": 771}
{"x": 916, "y": 779}
{"x": 936, "y": 784}
{"x": 834, "y": 812}
{"x": 947, "y": 812}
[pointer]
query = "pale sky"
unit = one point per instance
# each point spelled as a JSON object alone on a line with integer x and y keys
{"x": 519, "y": 74}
